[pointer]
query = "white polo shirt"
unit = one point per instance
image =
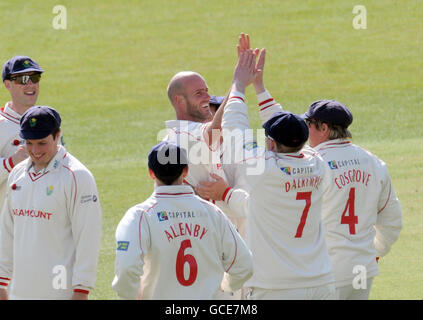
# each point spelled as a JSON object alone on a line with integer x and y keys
{"x": 9, "y": 142}
{"x": 361, "y": 212}
{"x": 50, "y": 230}
{"x": 284, "y": 225}
{"x": 181, "y": 246}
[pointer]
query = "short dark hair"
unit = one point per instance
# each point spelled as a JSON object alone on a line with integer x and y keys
{"x": 167, "y": 161}
{"x": 281, "y": 148}
{"x": 169, "y": 179}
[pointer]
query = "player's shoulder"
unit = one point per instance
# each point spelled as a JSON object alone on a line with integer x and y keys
{"x": 211, "y": 209}
{"x": 138, "y": 211}
{"x": 19, "y": 169}
{"x": 310, "y": 153}
{"x": 71, "y": 166}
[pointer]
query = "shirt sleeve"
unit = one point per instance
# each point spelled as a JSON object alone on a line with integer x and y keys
{"x": 267, "y": 105}
{"x": 389, "y": 219}
{"x": 132, "y": 238}
{"x": 6, "y": 243}
{"x": 85, "y": 217}
{"x": 236, "y": 258}
{"x": 6, "y": 166}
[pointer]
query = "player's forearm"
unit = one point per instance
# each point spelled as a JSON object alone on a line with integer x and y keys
{"x": 126, "y": 285}
{"x": 6, "y": 166}
{"x": 267, "y": 105}
{"x": 3, "y": 294}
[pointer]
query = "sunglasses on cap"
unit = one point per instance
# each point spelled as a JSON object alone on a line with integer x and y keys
{"x": 310, "y": 121}
{"x": 24, "y": 79}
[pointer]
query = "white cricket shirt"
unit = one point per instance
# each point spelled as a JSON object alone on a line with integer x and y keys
{"x": 361, "y": 212}
{"x": 181, "y": 245}
{"x": 203, "y": 160}
{"x": 284, "y": 225}
{"x": 51, "y": 222}
{"x": 9, "y": 142}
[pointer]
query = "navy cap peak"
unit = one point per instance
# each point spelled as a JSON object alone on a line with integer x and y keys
{"x": 330, "y": 111}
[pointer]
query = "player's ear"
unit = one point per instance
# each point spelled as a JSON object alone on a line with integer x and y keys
{"x": 7, "y": 84}
{"x": 152, "y": 175}
{"x": 185, "y": 172}
{"x": 324, "y": 127}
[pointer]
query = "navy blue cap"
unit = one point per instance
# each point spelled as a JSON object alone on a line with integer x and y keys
{"x": 287, "y": 128}
{"x": 19, "y": 64}
{"x": 38, "y": 122}
{"x": 166, "y": 159}
{"x": 217, "y": 100}
{"x": 330, "y": 111}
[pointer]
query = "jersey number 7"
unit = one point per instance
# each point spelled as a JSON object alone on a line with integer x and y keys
{"x": 307, "y": 197}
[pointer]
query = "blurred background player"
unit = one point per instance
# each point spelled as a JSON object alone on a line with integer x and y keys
{"x": 21, "y": 77}
{"x": 50, "y": 227}
{"x": 215, "y": 102}
{"x": 179, "y": 244}
{"x": 361, "y": 212}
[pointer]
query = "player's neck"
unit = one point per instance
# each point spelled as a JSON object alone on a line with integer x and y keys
{"x": 18, "y": 108}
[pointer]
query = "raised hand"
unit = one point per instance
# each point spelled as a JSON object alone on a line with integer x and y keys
{"x": 245, "y": 70}
{"x": 243, "y": 46}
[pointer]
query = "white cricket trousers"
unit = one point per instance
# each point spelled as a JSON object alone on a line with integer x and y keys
{"x": 350, "y": 293}
{"x": 325, "y": 292}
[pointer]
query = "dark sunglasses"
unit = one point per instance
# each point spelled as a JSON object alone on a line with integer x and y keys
{"x": 25, "y": 78}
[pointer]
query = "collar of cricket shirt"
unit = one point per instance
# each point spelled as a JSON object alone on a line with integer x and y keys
{"x": 53, "y": 164}
{"x": 173, "y": 190}
{"x": 11, "y": 114}
{"x": 332, "y": 143}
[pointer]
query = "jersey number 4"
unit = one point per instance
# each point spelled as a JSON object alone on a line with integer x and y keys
{"x": 183, "y": 258}
{"x": 350, "y": 219}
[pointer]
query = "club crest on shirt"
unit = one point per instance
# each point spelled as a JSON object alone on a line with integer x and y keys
{"x": 332, "y": 165}
{"x": 49, "y": 190}
{"x": 286, "y": 170}
{"x": 162, "y": 216}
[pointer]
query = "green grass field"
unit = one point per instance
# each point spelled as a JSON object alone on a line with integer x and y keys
{"x": 107, "y": 75}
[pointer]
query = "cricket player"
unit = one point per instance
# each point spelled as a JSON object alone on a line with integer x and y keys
{"x": 50, "y": 227}
{"x": 21, "y": 76}
{"x": 199, "y": 132}
{"x": 284, "y": 225}
{"x": 361, "y": 212}
{"x": 179, "y": 244}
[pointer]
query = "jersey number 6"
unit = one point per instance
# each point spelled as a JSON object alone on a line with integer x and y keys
{"x": 181, "y": 259}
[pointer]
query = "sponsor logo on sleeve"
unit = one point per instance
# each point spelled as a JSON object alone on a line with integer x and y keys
{"x": 122, "y": 245}
{"x": 88, "y": 198}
